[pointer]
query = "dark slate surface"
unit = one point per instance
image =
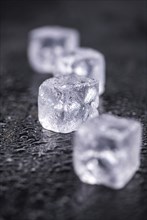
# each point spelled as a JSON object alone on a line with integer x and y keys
{"x": 37, "y": 181}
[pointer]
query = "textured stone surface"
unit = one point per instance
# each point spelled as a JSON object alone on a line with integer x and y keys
{"x": 83, "y": 62}
{"x": 107, "y": 150}
{"x": 47, "y": 43}
{"x": 37, "y": 180}
{"x": 66, "y": 102}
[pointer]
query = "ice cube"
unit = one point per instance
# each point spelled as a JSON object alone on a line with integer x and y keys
{"x": 66, "y": 102}
{"x": 47, "y": 43}
{"x": 107, "y": 150}
{"x": 83, "y": 62}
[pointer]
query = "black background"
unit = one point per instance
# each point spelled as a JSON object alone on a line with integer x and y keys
{"x": 37, "y": 181}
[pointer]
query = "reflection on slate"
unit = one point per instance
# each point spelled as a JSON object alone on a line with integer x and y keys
{"x": 37, "y": 181}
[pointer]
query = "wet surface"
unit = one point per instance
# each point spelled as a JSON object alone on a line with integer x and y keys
{"x": 37, "y": 181}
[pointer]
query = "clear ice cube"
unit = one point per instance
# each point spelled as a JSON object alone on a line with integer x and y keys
{"x": 47, "y": 43}
{"x": 83, "y": 62}
{"x": 66, "y": 102}
{"x": 107, "y": 150}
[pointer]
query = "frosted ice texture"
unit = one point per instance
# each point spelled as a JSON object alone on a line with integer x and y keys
{"x": 107, "y": 150}
{"x": 47, "y": 43}
{"x": 66, "y": 102}
{"x": 83, "y": 62}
